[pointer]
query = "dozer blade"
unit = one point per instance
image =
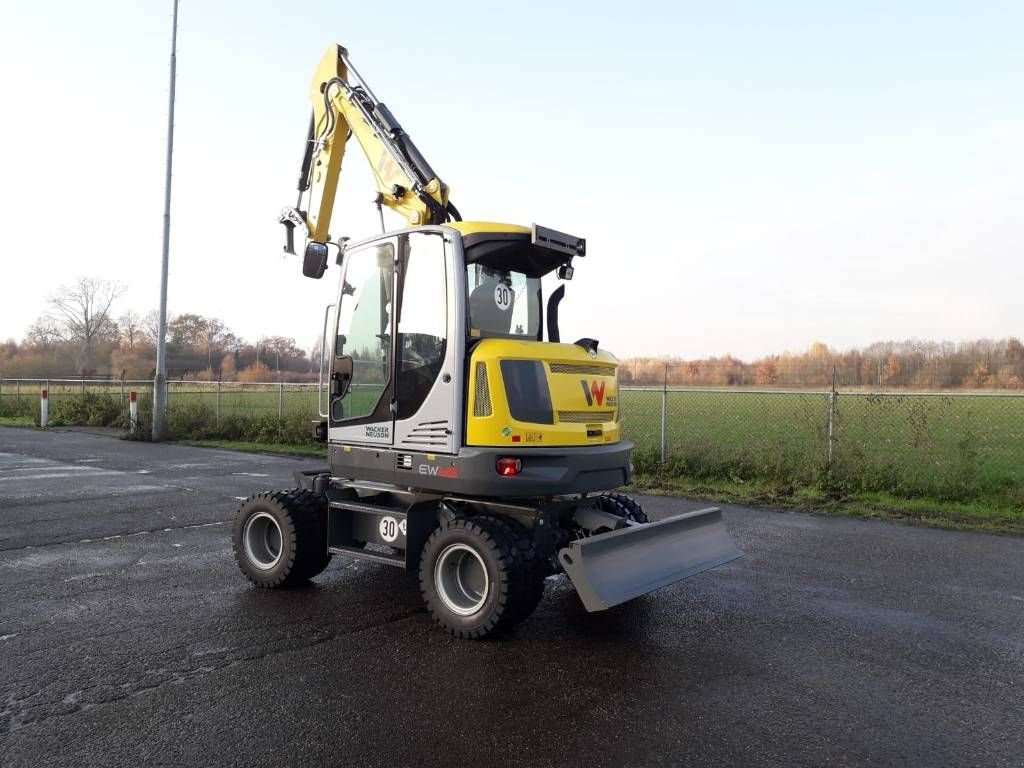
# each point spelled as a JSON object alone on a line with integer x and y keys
{"x": 611, "y": 568}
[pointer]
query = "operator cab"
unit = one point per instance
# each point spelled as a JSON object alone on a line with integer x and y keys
{"x": 413, "y": 307}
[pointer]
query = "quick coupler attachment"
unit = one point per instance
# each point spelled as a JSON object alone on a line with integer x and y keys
{"x": 611, "y": 568}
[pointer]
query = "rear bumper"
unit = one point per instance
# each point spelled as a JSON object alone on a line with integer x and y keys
{"x": 546, "y": 471}
{"x": 472, "y": 471}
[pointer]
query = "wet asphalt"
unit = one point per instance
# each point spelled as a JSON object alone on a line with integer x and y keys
{"x": 128, "y": 637}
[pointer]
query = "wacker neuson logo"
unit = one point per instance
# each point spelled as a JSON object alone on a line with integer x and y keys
{"x": 593, "y": 391}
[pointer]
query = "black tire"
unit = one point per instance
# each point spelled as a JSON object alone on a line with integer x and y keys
{"x": 622, "y": 505}
{"x": 280, "y": 537}
{"x": 529, "y": 586}
{"x": 488, "y": 555}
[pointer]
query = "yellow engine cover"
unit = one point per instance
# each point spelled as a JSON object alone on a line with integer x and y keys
{"x": 534, "y": 394}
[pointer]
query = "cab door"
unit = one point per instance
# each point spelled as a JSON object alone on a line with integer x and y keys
{"x": 361, "y": 388}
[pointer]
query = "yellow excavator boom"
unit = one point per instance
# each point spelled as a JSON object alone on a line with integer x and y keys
{"x": 344, "y": 106}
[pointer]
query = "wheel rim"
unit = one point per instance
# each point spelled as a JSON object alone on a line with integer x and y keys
{"x": 461, "y": 579}
{"x": 262, "y": 539}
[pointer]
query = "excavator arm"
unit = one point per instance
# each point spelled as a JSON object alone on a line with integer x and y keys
{"x": 344, "y": 107}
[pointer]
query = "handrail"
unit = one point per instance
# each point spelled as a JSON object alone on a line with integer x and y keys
{"x": 320, "y": 370}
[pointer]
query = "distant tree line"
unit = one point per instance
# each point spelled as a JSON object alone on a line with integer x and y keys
{"x": 80, "y": 334}
{"x": 913, "y": 364}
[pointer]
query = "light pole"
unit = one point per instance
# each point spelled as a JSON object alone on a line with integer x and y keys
{"x": 160, "y": 380}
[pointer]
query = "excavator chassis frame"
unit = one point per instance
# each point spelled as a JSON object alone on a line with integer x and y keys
{"x": 610, "y": 562}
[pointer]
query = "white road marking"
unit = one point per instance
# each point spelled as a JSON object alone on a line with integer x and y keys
{"x": 8, "y": 637}
{"x": 58, "y": 475}
{"x": 48, "y": 467}
{"x": 251, "y": 474}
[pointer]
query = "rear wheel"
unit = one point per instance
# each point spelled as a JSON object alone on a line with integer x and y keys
{"x": 529, "y": 586}
{"x": 279, "y": 538}
{"x": 622, "y": 505}
{"x": 469, "y": 572}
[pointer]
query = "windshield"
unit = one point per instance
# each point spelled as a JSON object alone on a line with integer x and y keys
{"x": 502, "y": 303}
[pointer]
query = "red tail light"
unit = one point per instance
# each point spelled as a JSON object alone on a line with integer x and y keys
{"x": 508, "y": 466}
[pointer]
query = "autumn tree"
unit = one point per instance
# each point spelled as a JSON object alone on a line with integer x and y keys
{"x": 767, "y": 373}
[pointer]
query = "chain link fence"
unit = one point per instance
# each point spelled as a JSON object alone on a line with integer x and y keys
{"x": 953, "y": 445}
{"x": 945, "y": 445}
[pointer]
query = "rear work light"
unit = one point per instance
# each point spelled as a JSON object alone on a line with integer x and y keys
{"x": 508, "y": 466}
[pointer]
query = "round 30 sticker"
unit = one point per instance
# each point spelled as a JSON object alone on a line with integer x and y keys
{"x": 389, "y": 528}
{"x": 503, "y": 297}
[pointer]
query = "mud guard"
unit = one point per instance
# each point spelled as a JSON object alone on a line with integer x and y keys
{"x": 614, "y": 567}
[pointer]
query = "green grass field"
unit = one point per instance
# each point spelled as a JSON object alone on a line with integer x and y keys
{"x": 951, "y": 448}
{"x": 943, "y": 446}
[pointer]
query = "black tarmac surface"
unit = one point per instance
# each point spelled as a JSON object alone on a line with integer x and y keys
{"x": 128, "y": 637}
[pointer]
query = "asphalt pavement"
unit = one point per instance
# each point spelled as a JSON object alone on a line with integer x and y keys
{"x": 128, "y": 637}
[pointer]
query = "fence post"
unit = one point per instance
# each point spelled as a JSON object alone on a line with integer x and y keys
{"x": 44, "y": 407}
{"x": 664, "y": 416}
{"x": 133, "y": 412}
{"x": 17, "y": 392}
{"x": 122, "y": 393}
{"x": 280, "y": 400}
{"x": 831, "y": 423}
{"x": 216, "y": 409}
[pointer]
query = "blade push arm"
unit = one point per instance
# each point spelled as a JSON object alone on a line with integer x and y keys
{"x": 344, "y": 106}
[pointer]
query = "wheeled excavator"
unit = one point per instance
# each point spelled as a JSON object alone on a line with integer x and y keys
{"x": 466, "y": 443}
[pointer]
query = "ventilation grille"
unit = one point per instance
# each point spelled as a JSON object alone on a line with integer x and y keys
{"x": 482, "y": 393}
{"x": 585, "y": 417}
{"x": 428, "y": 434}
{"x": 583, "y": 370}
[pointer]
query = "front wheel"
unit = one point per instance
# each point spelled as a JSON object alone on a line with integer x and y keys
{"x": 280, "y": 539}
{"x": 469, "y": 578}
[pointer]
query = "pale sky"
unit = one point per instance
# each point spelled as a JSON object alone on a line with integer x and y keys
{"x": 750, "y": 176}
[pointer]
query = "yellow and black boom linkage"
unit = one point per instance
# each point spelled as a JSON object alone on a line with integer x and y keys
{"x": 344, "y": 106}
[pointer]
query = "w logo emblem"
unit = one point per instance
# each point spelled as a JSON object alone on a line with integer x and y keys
{"x": 593, "y": 391}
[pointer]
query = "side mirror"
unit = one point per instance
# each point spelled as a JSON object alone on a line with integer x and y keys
{"x": 314, "y": 261}
{"x": 341, "y": 379}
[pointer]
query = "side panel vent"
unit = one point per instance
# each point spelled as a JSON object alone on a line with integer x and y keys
{"x": 428, "y": 434}
{"x": 585, "y": 417}
{"x": 482, "y": 392}
{"x": 583, "y": 370}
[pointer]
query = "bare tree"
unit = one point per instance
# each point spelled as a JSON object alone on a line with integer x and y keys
{"x": 131, "y": 328}
{"x": 82, "y": 314}
{"x": 43, "y": 333}
{"x": 151, "y": 324}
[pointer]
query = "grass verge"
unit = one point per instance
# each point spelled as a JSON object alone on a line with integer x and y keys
{"x": 988, "y": 515}
{"x": 16, "y": 421}
{"x": 287, "y": 449}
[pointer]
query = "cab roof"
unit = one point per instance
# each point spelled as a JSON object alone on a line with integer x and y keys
{"x": 507, "y": 247}
{"x": 466, "y": 228}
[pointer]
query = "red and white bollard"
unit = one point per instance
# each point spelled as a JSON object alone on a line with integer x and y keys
{"x": 44, "y": 408}
{"x": 133, "y": 410}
